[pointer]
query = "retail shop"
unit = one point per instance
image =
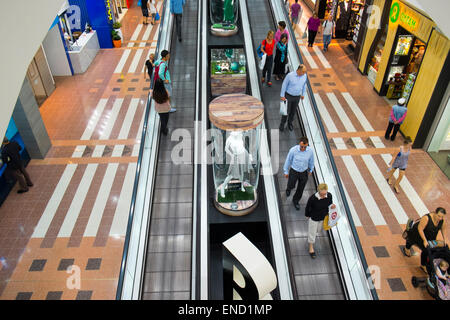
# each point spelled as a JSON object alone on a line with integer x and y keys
{"x": 347, "y": 15}
{"x": 407, "y": 61}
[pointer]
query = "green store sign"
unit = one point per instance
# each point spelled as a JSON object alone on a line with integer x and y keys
{"x": 407, "y": 20}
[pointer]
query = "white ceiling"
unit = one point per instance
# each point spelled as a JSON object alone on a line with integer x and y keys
{"x": 437, "y": 10}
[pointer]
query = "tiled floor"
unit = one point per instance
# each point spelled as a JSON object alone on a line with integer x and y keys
{"x": 355, "y": 118}
{"x": 64, "y": 238}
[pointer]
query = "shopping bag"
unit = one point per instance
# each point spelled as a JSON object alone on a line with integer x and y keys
{"x": 283, "y": 108}
{"x": 139, "y": 3}
{"x": 305, "y": 34}
{"x": 325, "y": 224}
{"x": 259, "y": 52}
{"x": 157, "y": 16}
{"x": 333, "y": 216}
{"x": 262, "y": 62}
{"x": 286, "y": 69}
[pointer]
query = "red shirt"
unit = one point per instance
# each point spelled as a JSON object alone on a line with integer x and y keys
{"x": 268, "y": 47}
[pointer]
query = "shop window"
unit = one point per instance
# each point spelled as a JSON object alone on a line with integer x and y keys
{"x": 404, "y": 65}
{"x": 374, "y": 62}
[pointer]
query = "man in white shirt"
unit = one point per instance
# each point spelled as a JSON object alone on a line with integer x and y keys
{"x": 329, "y": 28}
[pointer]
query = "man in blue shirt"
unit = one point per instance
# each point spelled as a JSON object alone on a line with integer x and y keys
{"x": 298, "y": 166}
{"x": 176, "y": 8}
{"x": 292, "y": 90}
{"x": 396, "y": 118}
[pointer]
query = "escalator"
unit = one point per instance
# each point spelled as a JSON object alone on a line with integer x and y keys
{"x": 168, "y": 258}
{"x": 312, "y": 279}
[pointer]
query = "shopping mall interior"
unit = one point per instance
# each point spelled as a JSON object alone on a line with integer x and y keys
{"x": 106, "y": 195}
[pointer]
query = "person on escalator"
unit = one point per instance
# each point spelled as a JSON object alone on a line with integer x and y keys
{"x": 280, "y": 58}
{"x": 267, "y": 47}
{"x": 162, "y": 104}
{"x": 281, "y": 30}
{"x": 176, "y": 9}
{"x": 162, "y": 68}
{"x": 316, "y": 210}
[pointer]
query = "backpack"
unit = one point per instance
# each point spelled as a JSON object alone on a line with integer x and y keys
{"x": 156, "y": 72}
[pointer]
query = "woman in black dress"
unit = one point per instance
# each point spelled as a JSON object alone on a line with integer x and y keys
{"x": 426, "y": 229}
{"x": 280, "y": 58}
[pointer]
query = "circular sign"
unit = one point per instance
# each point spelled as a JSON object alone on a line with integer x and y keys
{"x": 395, "y": 12}
{"x": 333, "y": 215}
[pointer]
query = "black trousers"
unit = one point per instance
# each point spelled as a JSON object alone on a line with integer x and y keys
{"x": 424, "y": 253}
{"x": 164, "y": 117}
{"x": 21, "y": 175}
{"x": 302, "y": 178}
{"x": 178, "y": 17}
{"x": 292, "y": 103}
{"x": 311, "y": 36}
{"x": 391, "y": 125}
{"x": 268, "y": 68}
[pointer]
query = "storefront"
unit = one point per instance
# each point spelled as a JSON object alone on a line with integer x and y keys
{"x": 347, "y": 15}
{"x": 405, "y": 58}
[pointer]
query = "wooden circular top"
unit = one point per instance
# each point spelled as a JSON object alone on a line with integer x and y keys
{"x": 232, "y": 112}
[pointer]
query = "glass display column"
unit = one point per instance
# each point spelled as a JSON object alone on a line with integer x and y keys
{"x": 224, "y": 15}
{"x": 236, "y": 123}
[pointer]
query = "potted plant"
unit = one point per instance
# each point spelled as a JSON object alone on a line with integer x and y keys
{"x": 116, "y": 26}
{"x": 117, "y": 40}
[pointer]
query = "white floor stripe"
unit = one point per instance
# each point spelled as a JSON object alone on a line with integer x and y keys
{"x": 93, "y": 120}
{"x": 98, "y": 151}
{"x": 118, "y": 150}
{"x": 308, "y": 57}
{"x": 120, "y": 220}
{"x": 50, "y": 210}
{"x": 364, "y": 192}
{"x": 146, "y": 35}
{"x": 326, "y": 118}
{"x": 341, "y": 113}
{"x": 321, "y": 57}
{"x": 135, "y": 62}
{"x": 77, "y": 203}
{"x": 100, "y": 202}
{"x": 352, "y": 208}
{"x": 131, "y": 112}
{"x": 122, "y": 61}
{"x": 357, "y": 111}
{"x": 135, "y": 35}
{"x": 110, "y": 120}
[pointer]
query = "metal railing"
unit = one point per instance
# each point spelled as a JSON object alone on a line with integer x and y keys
{"x": 351, "y": 260}
{"x": 130, "y": 277}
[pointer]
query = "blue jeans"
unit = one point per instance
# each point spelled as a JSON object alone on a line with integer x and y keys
{"x": 326, "y": 41}
{"x": 168, "y": 87}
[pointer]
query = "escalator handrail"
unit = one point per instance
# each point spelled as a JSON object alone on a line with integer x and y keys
{"x": 138, "y": 170}
{"x": 333, "y": 163}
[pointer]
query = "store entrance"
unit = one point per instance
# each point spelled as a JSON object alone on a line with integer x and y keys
{"x": 404, "y": 65}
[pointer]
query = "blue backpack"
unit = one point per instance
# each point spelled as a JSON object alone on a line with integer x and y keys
{"x": 258, "y": 50}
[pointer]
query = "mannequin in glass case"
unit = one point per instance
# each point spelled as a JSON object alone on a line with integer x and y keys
{"x": 240, "y": 161}
{"x": 342, "y": 17}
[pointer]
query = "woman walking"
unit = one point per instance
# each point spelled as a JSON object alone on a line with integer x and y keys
{"x": 399, "y": 161}
{"x": 423, "y": 231}
{"x": 280, "y": 58}
{"x": 267, "y": 47}
{"x": 316, "y": 210}
{"x": 313, "y": 27}
{"x": 162, "y": 104}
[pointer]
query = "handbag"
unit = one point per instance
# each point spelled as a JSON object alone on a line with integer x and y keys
{"x": 325, "y": 224}
{"x": 283, "y": 108}
{"x": 157, "y": 17}
{"x": 305, "y": 34}
{"x": 139, "y": 3}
